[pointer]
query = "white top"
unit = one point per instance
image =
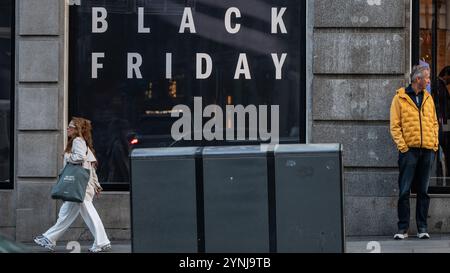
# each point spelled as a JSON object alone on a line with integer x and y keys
{"x": 80, "y": 154}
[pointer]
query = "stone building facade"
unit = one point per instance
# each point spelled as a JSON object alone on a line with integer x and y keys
{"x": 357, "y": 53}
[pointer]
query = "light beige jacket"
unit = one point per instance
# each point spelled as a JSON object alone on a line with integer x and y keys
{"x": 82, "y": 154}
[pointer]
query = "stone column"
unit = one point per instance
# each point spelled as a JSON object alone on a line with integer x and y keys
{"x": 40, "y": 122}
{"x": 361, "y": 56}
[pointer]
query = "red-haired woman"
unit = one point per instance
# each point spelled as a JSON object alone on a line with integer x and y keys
{"x": 79, "y": 150}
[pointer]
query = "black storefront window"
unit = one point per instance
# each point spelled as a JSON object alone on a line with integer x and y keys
{"x": 6, "y": 92}
{"x": 263, "y": 63}
{"x": 431, "y": 46}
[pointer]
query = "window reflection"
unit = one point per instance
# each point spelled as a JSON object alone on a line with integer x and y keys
{"x": 128, "y": 113}
{"x": 5, "y": 88}
{"x": 441, "y": 77}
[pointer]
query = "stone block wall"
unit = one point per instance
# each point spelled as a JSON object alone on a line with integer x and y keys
{"x": 360, "y": 57}
{"x": 41, "y": 119}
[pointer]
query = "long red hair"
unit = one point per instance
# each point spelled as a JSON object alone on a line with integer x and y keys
{"x": 83, "y": 129}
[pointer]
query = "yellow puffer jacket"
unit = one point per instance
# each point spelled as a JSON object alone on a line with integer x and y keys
{"x": 411, "y": 128}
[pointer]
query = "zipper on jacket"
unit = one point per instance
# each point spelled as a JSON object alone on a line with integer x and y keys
{"x": 420, "y": 119}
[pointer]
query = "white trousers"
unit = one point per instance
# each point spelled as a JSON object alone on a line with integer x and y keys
{"x": 67, "y": 215}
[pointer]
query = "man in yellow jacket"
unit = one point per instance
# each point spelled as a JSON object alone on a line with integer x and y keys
{"x": 414, "y": 129}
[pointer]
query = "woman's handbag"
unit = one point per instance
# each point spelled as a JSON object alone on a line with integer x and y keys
{"x": 71, "y": 184}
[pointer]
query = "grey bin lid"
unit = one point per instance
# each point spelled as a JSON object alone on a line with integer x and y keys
{"x": 233, "y": 151}
{"x": 307, "y": 148}
{"x": 168, "y": 152}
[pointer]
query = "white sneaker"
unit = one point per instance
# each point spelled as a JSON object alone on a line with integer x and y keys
{"x": 97, "y": 249}
{"x": 44, "y": 242}
{"x": 423, "y": 235}
{"x": 400, "y": 236}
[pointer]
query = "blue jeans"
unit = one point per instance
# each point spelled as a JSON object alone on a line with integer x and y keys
{"x": 415, "y": 166}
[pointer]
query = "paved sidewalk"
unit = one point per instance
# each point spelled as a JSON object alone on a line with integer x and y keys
{"x": 438, "y": 243}
{"x": 64, "y": 247}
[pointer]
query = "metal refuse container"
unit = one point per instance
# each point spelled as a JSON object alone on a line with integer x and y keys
{"x": 235, "y": 199}
{"x": 309, "y": 198}
{"x": 163, "y": 200}
{"x": 238, "y": 199}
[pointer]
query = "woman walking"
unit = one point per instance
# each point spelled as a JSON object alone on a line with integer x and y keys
{"x": 79, "y": 150}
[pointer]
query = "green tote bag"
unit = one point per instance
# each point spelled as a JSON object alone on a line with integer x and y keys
{"x": 71, "y": 184}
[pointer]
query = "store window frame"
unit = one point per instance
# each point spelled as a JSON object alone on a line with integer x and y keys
{"x": 415, "y": 57}
{"x": 302, "y": 97}
{"x": 10, "y": 185}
